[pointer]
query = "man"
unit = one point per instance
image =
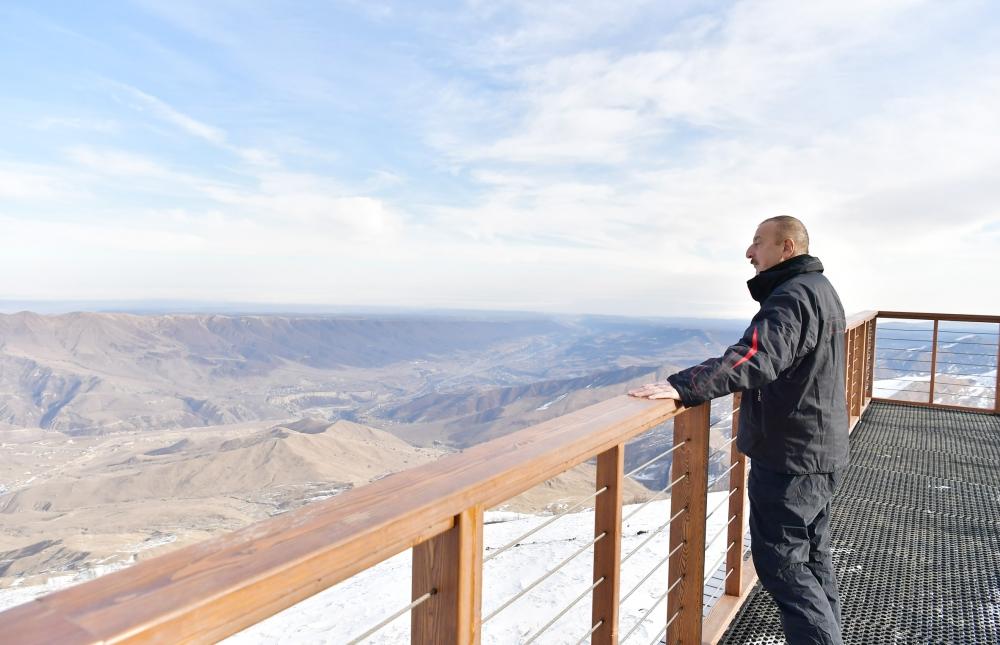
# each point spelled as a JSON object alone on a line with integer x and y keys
{"x": 793, "y": 423}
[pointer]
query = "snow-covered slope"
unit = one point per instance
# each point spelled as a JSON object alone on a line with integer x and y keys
{"x": 348, "y": 609}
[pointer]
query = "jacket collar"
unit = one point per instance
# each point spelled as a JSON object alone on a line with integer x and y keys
{"x": 764, "y": 283}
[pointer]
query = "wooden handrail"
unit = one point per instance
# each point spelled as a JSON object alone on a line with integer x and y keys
{"x": 912, "y": 315}
{"x": 860, "y": 318}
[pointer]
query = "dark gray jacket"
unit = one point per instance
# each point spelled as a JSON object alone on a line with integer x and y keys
{"x": 790, "y": 367}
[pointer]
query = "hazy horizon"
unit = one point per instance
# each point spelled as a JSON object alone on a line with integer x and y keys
{"x": 195, "y": 307}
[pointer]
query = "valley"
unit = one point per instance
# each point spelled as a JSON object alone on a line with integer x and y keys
{"x": 124, "y": 436}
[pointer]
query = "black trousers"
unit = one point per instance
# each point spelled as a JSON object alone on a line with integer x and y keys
{"x": 790, "y": 542}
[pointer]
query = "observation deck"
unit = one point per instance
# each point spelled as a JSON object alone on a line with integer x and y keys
{"x": 916, "y": 533}
{"x": 916, "y": 525}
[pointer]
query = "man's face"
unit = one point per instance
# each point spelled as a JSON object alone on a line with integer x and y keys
{"x": 767, "y": 248}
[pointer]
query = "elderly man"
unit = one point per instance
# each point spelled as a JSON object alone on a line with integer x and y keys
{"x": 793, "y": 423}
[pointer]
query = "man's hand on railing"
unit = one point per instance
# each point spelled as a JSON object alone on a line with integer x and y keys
{"x": 662, "y": 390}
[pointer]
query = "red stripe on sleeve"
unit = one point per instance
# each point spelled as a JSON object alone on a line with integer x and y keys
{"x": 753, "y": 350}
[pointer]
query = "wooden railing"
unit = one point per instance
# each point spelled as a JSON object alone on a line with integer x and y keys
{"x": 207, "y": 591}
{"x": 859, "y": 370}
{"x": 987, "y": 404}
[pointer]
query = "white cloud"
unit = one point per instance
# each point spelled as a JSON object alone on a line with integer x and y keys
{"x": 194, "y": 127}
{"x": 186, "y": 123}
{"x": 607, "y": 106}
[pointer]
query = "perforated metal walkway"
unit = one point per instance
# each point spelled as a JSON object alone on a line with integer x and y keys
{"x": 916, "y": 533}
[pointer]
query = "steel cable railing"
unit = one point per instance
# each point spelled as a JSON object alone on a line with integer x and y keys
{"x": 743, "y": 556}
{"x": 939, "y": 394}
{"x": 547, "y": 522}
{"x": 562, "y": 613}
{"x": 654, "y": 533}
{"x": 655, "y": 459}
{"x": 721, "y": 475}
{"x": 651, "y": 572}
{"x": 675, "y": 447}
{"x": 904, "y": 378}
{"x": 719, "y": 534}
{"x": 649, "y": 611}
{"x": 725, "y": 554}
{"x": 946, "y": 385}
{"x": 655, "y": 497}
{"x": 663, "y": 632}
{"x": 720, "y": 504}
{"x": 542, "y": 579}
{"x": 722, "y": 448}
{"x": 991, "y": 365}
{"x": 964, "y": 374}
{"x": 590, "y": 633}
{"x": 413, "y": 605}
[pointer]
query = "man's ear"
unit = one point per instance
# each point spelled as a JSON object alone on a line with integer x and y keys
{"x": 789, "y": 247}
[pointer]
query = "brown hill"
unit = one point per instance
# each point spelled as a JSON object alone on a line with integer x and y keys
{"x": 90, "y": 373}
{"x": 342, "y": 454}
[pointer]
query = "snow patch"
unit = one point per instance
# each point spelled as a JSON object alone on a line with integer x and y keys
{"x": 545, "y": 406}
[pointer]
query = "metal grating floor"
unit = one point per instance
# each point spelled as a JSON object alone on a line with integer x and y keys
{"x": 916, "y": 533}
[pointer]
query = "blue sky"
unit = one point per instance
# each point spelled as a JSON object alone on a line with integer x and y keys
{"x": 569, "y": 157}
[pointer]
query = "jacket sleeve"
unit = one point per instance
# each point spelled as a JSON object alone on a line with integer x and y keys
{"x": 770, "y": 345}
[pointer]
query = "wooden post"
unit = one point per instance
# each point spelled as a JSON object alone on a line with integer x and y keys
{"x": 858, "y": 394}
{"x": 870, "y": 369}
{"x": 452, "y": 564}
{"x": 996, "y": 393}
{"x": 852, "y": 381}
{"x": 852, "y": 366}
{"x": 863, "y": 366}
{"x": 848, "y": 374}
{"x": 608, "y": 552}
{"x": 849, "y": 383}
{"x": 934, "y": 345}
{"x": 737, "y": 508}
{"x": 688, "y": 564}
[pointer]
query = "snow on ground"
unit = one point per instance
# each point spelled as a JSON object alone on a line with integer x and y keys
{"x": 888, "y": 387}
{"x": 545, "y": 406}
{"x": 348, "y": 609}
{"x": 972, "y": 390}
{"x": 18, "y": 594}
